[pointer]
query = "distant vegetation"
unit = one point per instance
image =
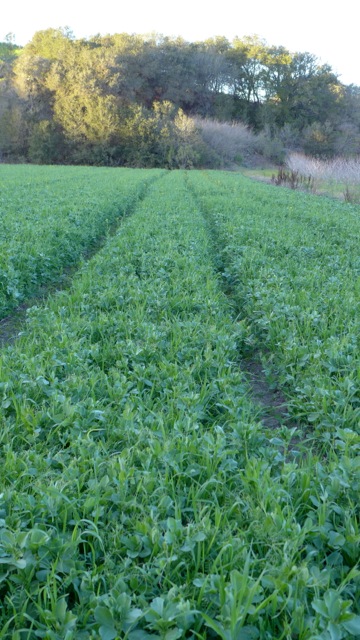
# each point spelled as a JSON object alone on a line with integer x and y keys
{"x": 130, "y": 100}
{"x": 335, "y": 174}
{"x": 338, "y": 177}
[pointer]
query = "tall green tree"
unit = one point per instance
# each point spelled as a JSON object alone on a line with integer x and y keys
{"x": 109, "y": 98}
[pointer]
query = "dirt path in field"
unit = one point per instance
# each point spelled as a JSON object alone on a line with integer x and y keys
{"x": 267, "y": 395}
{"x": 11, "y": 325}
{"x": 271, "y": 400}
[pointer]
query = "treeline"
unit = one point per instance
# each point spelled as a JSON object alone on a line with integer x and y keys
{"x": 156, "y": 101}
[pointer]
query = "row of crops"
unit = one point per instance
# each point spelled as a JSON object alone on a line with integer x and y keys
{"x": 292, "y": 262}
{"x": 51, "y": 217}
{"x": 141, "y": 497}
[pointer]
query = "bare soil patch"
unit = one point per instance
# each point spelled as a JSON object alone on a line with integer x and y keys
{"x": 268, "y": 396}
{"x": 11, "y": 325}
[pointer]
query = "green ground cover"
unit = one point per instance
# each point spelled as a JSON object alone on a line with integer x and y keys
{"x": 293, "y": 263}
{"x": 51, "y": 216}
{"x": 141, "y": 496}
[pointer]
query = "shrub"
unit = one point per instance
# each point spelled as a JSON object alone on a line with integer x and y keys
{"x": 292, "y": 179}
{"x": 228, "y": 144}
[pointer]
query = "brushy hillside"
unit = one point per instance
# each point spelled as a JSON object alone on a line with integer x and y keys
{"x": 128, "y": 100}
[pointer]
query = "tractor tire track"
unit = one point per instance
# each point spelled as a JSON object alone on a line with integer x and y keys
{"x": 265, "y": 391}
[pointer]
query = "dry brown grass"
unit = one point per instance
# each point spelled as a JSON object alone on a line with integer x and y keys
{"x": 336, "y": 176}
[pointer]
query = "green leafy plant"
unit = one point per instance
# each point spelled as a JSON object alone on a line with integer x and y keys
{"x": 141, "y": 494}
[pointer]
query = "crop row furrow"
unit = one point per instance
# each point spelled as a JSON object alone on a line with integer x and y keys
{"x": 293, "y": 266}
{"x": 50, "y": 217}
{"x": 265, "y": 391}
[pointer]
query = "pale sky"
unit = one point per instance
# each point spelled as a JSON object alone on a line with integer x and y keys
{"x": 330, "y": 31}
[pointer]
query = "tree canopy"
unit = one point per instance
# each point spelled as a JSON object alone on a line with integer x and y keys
{"x": 102, "y": 100}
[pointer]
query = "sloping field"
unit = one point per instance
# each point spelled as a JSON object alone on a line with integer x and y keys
{"x": 142, "y": 496}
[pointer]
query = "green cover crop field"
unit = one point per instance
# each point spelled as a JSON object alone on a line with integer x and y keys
{"x": 51, "y": 216}
{"x": 142, "y": 495}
